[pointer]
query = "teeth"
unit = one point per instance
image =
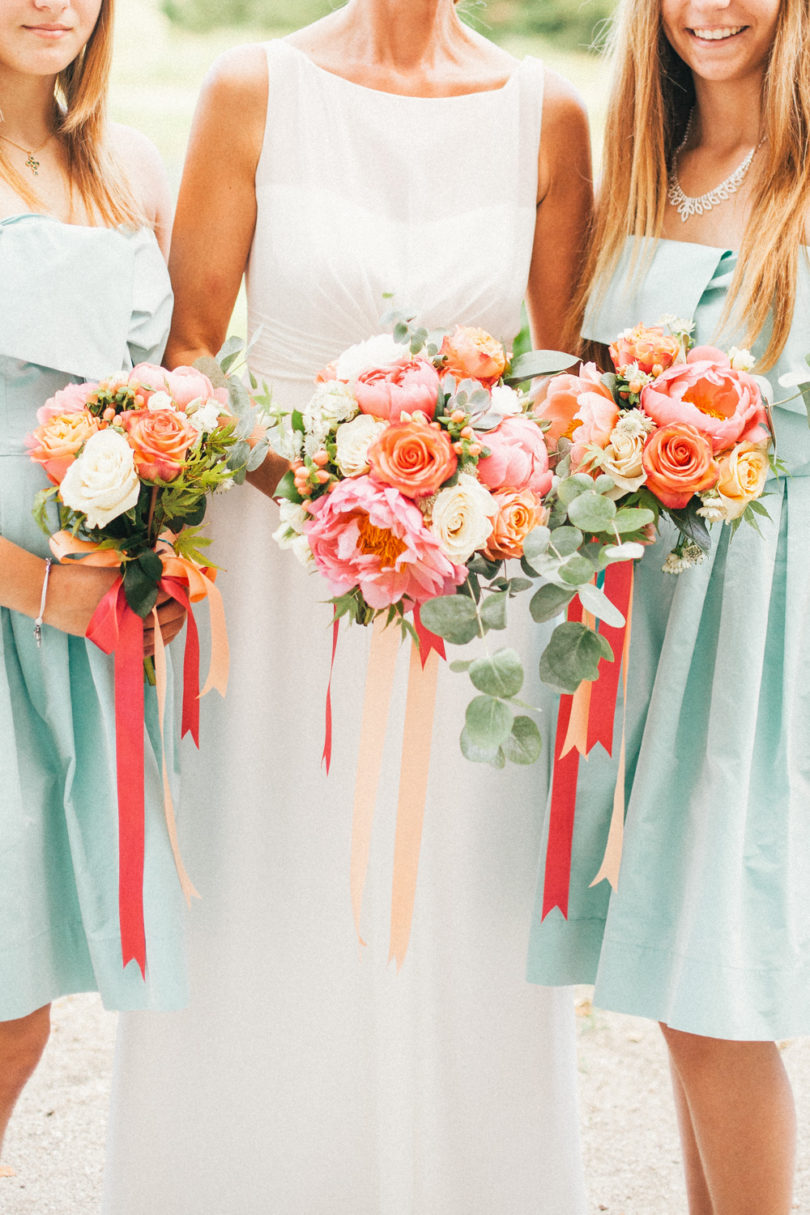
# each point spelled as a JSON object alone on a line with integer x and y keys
{"x": 717, "y": 35}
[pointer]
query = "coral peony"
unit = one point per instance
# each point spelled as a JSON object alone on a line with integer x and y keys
{"x": 646, "y": 346}
{"x": 518, "y": 457}
{"x": 473, "y": 354}
{"x": 678, "y": 462}
{"x": 407, "y": 386}
{"x": 367, "y": 535}
{"x": 558, "y": 400}
{"x": 706, "y": 392}
{"x": 413, "y": 457}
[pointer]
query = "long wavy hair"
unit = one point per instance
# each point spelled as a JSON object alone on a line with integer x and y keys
{"x": 652, "y": 96}
{"x": 80, "y": 103}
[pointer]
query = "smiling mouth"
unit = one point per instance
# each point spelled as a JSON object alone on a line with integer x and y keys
{"x": 717, "y": 35}
{"x": 48, "y": 29}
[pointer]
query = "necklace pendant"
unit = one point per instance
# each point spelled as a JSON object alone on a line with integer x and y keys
{"x": 33, "y": 164}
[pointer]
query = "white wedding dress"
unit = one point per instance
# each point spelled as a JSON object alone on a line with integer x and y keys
{"x": 307, "y": 1077}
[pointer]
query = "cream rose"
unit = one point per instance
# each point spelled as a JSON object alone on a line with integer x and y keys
{"x": 376, "y": 351}
{"x": 742, "y": 477}
{"x": 353, "y": 440}
{"x": 621, "y": 459}
{"x": 102, "y": 483}
{"x": 462, "y": 518}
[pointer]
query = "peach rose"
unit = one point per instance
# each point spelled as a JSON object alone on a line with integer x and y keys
{"x": 743, "y": 472}
{"x": 70, "y": 399}
{"x": 678, "y": 462}
{"x": 597, "y": 416}
{"x": 473, "y": 354}
{"x": 160, "y": 440}
{"x": 652, "y": 350}
{"x": 519, "y": 512}
{"x": 413, "y": 457}
{"x": 56, "y": 444}
{"x": 407, "y": 386}
{"x": 518, "y": 457}
{"x": 558, "y": 401}
{"x": 708, "y": 393}
{"x": 184, "y": 384}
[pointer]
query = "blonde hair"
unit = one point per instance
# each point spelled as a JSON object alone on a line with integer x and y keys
{"x": 651, "y": 99}
{"x": 80, "y": 104}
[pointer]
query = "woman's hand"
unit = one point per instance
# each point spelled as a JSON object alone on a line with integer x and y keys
{"x": 172, "y": 617}
{"x": 74, "y": 593}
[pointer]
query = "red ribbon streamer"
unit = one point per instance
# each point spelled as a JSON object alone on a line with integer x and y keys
{"x": 326, "y": 757}
{"x": 427, "y": 641}
{"x": 618, "y": 588}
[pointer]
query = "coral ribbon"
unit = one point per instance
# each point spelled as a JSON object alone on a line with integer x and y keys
{"x": 584, "y": 719}
{"x": 414, "y": 768}
{"x": 117, "y": 630}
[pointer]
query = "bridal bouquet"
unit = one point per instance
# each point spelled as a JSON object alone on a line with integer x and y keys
{"x": 131, "y": 461}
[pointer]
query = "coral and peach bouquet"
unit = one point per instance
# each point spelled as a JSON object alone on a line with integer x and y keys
{"x": 131, "y": 461}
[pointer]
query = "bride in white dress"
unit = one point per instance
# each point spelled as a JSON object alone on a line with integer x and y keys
{"x": 387, "y": 148}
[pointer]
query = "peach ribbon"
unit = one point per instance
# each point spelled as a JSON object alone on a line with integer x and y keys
{"x": 414, "y": 769}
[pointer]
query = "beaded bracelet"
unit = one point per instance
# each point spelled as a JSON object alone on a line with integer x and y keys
{"x": 49, "y": 561}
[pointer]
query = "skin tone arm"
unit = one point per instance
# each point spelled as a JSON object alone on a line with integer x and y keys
{"x": 216, "y": 214}
{"x": 564, "y": 206}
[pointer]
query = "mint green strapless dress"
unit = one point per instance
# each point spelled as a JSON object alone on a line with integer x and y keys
{"x": 709, "y": 929}
{"x": 75, "y": 303}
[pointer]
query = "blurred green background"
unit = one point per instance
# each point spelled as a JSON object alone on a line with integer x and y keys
{"x": 164, "y": 48}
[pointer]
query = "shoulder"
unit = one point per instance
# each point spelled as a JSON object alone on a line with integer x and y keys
{"x": 140, "y": 161}
{"x": 564, "y": 113}
{"x": 238, "y": 78}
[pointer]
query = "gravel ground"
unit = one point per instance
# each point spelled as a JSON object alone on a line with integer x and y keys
{"x": 56, "y": 1138}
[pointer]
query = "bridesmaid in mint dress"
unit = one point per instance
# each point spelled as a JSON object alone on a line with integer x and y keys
{"x": 85, "y": 292}
{"x": 709, "y": 929}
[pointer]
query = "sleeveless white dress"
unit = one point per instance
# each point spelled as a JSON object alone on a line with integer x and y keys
{"x": 307, "y": 1077}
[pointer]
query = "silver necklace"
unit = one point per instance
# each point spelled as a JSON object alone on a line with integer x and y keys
{"x": 686, "y": 206}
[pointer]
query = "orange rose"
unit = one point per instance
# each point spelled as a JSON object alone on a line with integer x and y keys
{"x": 159, "y": 440}
{"x": 560, "y": 399}
{"x": 519, "y": 512}
{"x": 413, "y": 457}
{"x": 647, "y": 346}
{"x": 742, "y": 475}
{"x": 678, "y": 462}
{"x": 56, "y": 444}
{"x": 473, "y": 354}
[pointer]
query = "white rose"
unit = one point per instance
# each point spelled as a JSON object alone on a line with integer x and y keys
{"x": 505, "y": 400}
{"x": 353, "y": 440}
{"x": 205, "y": 417}
{"x": 160, "y": 400}
{"x": 377, "y": 351}
{"x": 621, "y": 460}
{"x": 102, "y": 483}
{"x": 463, "y": 517}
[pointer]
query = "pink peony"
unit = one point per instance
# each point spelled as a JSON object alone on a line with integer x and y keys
{"x": 69, "y": 399}
{"x": 518, "y": 459}
{"x": 706, "y": 392}
{"x": 368, "y": 535}
{"x": 597, "y": 416}
{"x": 184, "y": 384}
{"x": 405, "y": 386}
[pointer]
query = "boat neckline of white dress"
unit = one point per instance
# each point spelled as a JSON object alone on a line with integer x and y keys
{"x": 365, "y": 88}
{"x": 65, "y": 223}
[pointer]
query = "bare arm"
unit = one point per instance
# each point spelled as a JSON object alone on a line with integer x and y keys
{"x": 216, "y": 214}
{"x": 564, "y": 208}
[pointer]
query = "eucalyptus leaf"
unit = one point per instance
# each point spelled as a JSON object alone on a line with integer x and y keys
{"x": 539, "y": 362}
{"x": 571, "y": 488}
{"x": 453, "y": 617}
{"x": 493, "y": 610}
{"x": 212, "y": 369}
{"x": 481, "y": 755}
{"x": 501, "y": 675}
{"x": 603, "y": 484}
{"x": 597, "y": 603}
{"x": 632, "y": 519}
{"x": 460, "y": 665}
{"x": 258, "y": 455}
{"x": 591, "y": 512}
{"x": 524, "y": 744}
{"x": 515, "y": 586}
{"x": 572, "y": 654}
{"x": 488, "y": 721}
{"x": 566, "y": 540}
{"x": 577, "y": 570}
{"x": 536, "y": 542}
{"x": 549, "y": 601}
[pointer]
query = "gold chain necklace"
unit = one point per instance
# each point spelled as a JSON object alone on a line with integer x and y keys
{"x": 31, "y": 163}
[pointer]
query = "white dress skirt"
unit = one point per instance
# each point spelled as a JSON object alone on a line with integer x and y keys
{"x": 307, "y": 1077}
